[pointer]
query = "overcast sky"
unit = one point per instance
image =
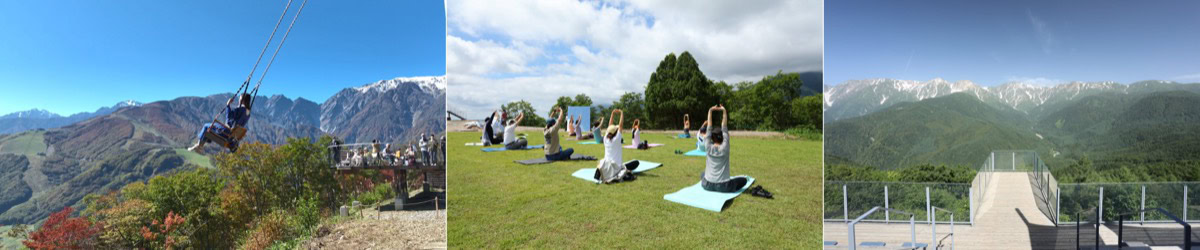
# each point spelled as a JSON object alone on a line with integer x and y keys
{"x": 503, "y": 51}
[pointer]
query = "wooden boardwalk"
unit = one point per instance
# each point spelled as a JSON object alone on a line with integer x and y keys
{"x": 1008, "y": 218}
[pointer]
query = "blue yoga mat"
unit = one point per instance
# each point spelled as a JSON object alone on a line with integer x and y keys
{"x": 589, "y": 142}
{"x": 588, "y": 173}
{"x": 696, "y": 196}
{"x": 695, "y": 152}
{"x": 683, "y": 136}
{"x": 504, "y": 149}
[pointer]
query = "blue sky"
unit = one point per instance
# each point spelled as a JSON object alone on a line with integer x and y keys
{"x": 76, "y": 56}
{"x": 993, "y": 42}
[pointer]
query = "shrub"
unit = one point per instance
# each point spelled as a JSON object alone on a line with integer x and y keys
{"x": 267, "y": 231}
{"x": 63, "y": 232}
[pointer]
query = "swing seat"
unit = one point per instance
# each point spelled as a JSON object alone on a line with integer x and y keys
{"x": 230, "y": 140}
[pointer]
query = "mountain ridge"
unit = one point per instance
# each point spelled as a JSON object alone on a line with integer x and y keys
{"x": 860, "y": 97}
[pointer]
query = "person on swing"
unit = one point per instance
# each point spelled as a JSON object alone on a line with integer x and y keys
{"x": 234, "y": 117}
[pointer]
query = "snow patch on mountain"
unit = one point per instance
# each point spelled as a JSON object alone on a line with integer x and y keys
{"x": 426, "y": 83}
{"x": 32, "y": 113}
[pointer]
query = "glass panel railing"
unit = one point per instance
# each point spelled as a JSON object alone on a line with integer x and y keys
{"x": 862, "y": 196}
{"x": 833, "y": 201}
{"x": 952, "y": 197}
{"x": 1120, "y": 198}
{"x": 1013, "y": 160}
{"x": 865, "y": 195}
{"x": 1168, "y": 196}
{"x": 1192, "y": 213}
{"x": 1173, "y": 197}
{"x": 1075, "y": 199}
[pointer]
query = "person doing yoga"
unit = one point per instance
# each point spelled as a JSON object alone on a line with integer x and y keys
{"x": 492, "y": 127}
{"x": 595, "y": 133}
{"x": 701, "y": 135}
{"x": 570, "y": 126}
{"x": 716, "y": 168}
{"x": 510, "y": 134}
{"x": 612, "y": 168}
{"x": 687, "y": 126}
{"x": 637, "y": 135}
{"x": 554, "y": 151}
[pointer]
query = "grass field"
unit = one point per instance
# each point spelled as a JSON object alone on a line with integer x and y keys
{"x": 194, "y": 158}
{"x": 7, "y": 242}
{"x": 496, "y": 203}
{"x": 27, "y": 143}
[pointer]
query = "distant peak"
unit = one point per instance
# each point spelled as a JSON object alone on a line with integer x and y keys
{"x": 32, "y": 113}
{"x": 427, "y": 83}
{"x": 128, "y": 103}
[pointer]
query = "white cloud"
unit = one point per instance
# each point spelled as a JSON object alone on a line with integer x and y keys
{"x": 1042, "y": 32}
{"x": 539, "y": 50}
{"x": 1191, "y": 77}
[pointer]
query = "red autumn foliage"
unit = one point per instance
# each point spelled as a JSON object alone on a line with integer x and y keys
{"x": 168, "y": 225}
{"x": 63, "y": 232}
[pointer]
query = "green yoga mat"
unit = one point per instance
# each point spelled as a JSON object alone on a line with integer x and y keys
{"x": 695, "y": 152}
{"x": 588, "y": 173}
{"x": 696, "y": 196}
{"x": 505, "y": 149}
{"x": 589, "y": 142}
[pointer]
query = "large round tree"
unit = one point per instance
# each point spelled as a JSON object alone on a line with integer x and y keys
{"x": 678, "y": 87}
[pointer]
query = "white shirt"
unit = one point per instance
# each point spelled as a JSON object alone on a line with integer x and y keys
{"x": 497, "y": 124}
{"x": 637, "y": 136}
{"x": 510, "y": 134}
{"x": 612, "y": 164}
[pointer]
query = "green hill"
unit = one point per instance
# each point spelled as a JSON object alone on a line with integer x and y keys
{"x": 956, "y": 129}
{"x": 1112, "y": 131}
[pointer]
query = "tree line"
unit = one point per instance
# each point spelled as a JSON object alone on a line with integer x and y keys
{"x": 678, "y": 87}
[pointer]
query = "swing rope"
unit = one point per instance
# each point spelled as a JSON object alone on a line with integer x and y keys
{"x": 245, "y": 86}
{"x": 254, "y": 96}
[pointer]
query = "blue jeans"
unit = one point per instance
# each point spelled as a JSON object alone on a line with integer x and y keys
{"x": 564, "y": 154}
{"x": 220, "y": 130}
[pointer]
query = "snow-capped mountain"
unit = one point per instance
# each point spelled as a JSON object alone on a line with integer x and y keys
{"x": 397, "y": 108}
{"x": 429, "y": 84}
{"x": 31, "y": 114}
{"x": 40, "y": 118}
{"x": 859, "y": 97}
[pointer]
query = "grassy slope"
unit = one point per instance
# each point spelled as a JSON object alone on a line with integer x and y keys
{"x": 495, "y": 203}
{"x": 28, "y": 143}
{"x": 8, "y": 242}
{"x": 194, "y": 158}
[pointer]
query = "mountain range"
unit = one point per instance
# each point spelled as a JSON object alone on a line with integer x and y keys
{"x": 860, "y": 97}
{"x": 893, "y": 123}
{"x": 40, "y": 119}
{"x": 45, "y": 169}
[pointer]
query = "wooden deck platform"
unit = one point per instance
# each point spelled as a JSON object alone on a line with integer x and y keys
{"x": 1008, "y": 219}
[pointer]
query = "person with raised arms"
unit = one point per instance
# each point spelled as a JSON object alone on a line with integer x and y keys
{"x": 716, "y": 168}
{"x": 687, "y": 127}
{"x": 570, "y": 126}
{"x": 637, "y": 135}
{"x": 491, "y": 128}
{"x": 612, "y": 168}
{"x": 554, "y": 150}
{"x": 510, "y": 134}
